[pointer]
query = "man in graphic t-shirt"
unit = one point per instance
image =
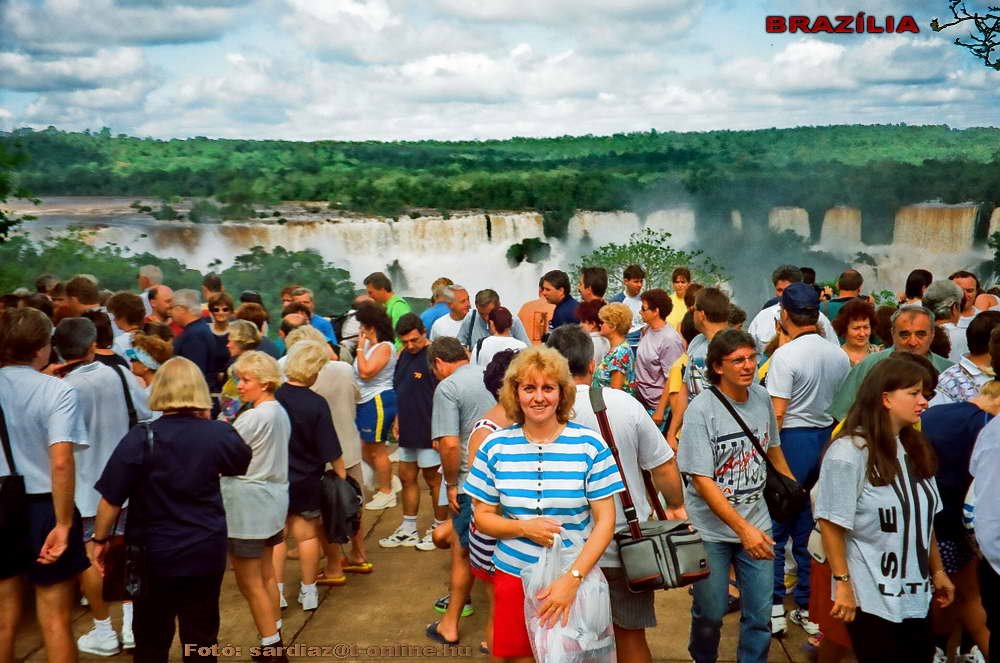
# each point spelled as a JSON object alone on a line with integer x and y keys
{"x": 725, "y": 496}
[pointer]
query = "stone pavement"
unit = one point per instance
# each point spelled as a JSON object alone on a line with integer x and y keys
{"x": 382, "y": 616}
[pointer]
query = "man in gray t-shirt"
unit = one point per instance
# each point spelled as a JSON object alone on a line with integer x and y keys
{"x": 725, "y": 498}
{"x": 460, "y": 400}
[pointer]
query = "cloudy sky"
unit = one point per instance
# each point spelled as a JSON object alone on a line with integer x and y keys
{"x": 449, "y": 69}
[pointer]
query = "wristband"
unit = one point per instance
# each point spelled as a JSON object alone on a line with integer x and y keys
{"x": 843, "y": 578}
{"x": 101, "y": 541}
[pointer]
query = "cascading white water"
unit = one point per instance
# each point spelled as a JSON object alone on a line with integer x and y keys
{"x": 841, "y": 227}
{"x": 796, "y": 219}
{"x": 936, "y": 226}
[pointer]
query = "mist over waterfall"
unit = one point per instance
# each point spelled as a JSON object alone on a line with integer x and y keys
{"x": 471, "y": 247}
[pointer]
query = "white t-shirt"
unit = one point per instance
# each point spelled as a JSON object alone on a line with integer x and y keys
{"x": 959, "y": 342}
{"x": 257, "y": 503}
{"x": 635, "y": 304}
{"x": 40, "y": 411}
{"x": 640, "y": 445}
{"x": 105, "y": 414}
{"x": 762, "y": 327}
{"x": 888, "y": 530}
{"x": 494, "y": 344}
{"x": 602, "y": 346}
{"x": 445, "y": 326}
{"x": 808, "y": 371}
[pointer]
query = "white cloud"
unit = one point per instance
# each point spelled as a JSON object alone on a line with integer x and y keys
{"x": 24, "y": 72}
{"x": 81, "y": 26}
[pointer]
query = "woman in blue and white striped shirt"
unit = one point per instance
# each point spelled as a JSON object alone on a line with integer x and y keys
{"x": 546, "y": 475}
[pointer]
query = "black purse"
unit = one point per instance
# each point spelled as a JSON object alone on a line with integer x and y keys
{"x": 125, "y": 558}
{"x": 656, "y": 554}
{"x": 784, "y": 496}
{"x": 13, "y": 496}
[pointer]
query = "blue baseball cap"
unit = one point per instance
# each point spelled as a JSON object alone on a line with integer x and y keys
{"x": 800, "y": 298}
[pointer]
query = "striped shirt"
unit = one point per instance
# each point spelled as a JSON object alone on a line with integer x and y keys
{"x": 557, "y": 480}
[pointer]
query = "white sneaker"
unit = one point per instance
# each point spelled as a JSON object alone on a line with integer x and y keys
{"x": 309, "y": 600}
{"x": 400, "y": 538}
{"x": 972, "y": 656}
{"x": 427, "y": 542}
{"x": 381, "y": 501}
{"x": 84, "y": 602}
{"x": 282, "y": 601}
{"x": 940, "y": 656}
{"x": 99, "y": 644}
{"x": 800, "y": 617}
{"x": 396, "y": 484}
{"x": 778, "y": 622}
{"x": 128, "y": 638}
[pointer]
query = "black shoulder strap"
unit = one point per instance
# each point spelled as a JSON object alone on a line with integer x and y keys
{"x": 746, "y": 429}
{"x": 479, "y": 346}
{"x": 133, "y": 418}
{"x": 7, "y": 451}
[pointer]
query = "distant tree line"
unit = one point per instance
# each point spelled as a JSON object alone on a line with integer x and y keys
{"x": 874, "y": 168}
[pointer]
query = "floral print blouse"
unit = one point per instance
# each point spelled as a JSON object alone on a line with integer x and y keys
{"x": 620, "y": 359}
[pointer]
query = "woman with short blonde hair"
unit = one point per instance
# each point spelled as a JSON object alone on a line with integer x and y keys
{"x": 557, "y": 477}
{"x": 243, "y": 338}
{"x": 185, "y": 521}
{"x": 617, "y": 368}
{"x": 245, "y": 335}
{"x": 313, "y": 444}
{"x": 257, "y": 502}
{"x": 179, "y": 385}
{"x": 526, "y": 365}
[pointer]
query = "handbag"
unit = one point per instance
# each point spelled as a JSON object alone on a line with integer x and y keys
{"x": 13, "y": 496}
{"x": 125, "y": 558}
{"x": 657, "y": 554}
{"x": 784, "y": 496}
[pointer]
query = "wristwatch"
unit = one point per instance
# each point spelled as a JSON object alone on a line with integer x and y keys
{"x": 576, "y": 574}
{"x": 843, "y": 578}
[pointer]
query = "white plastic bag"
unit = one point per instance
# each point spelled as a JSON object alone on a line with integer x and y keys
{"x": 589, "y": 636}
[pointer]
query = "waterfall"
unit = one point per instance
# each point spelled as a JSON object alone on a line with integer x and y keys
{"x": 736, "y": 217}
{"x": 935, "y": 226}
{"x": 678, "y": 221}
{"x": 841, "y": 227}
{"x": 994, "y": 221}
{"x": 796, "y": 219}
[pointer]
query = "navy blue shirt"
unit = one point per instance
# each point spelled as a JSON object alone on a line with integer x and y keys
{"x": 314, "y": 442}
{"x": 268, "y": 346}
{"x": 185, "y": 522}
{"x": 414, "y": 384}
{"x": 198, "y": 343}
{"x": 952, "y": 429}
{"x": 565, "y": 313}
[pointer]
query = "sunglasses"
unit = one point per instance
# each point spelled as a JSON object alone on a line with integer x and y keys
{"x": 221, "y": 309}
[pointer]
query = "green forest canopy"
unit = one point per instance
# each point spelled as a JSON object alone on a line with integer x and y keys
{"x": 874, "y": 168}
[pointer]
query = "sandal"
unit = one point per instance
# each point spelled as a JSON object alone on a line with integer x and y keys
{"x": 363, "y": 567}
{"x": 323, "y": 581}
{"x": 432, "y": 632}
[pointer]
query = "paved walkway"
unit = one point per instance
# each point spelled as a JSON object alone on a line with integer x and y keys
{"x": 381, "y": 617}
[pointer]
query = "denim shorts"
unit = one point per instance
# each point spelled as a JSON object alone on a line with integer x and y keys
{"x": 424, "y": 458}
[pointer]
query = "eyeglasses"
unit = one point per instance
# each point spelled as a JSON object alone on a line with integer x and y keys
{"x": 741, "y": 361}
{"x": 221, "y": 309}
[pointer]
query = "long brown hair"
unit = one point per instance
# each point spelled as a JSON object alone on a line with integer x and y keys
{"x": 869, "y": 419}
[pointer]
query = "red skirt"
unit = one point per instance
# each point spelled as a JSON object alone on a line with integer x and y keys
{"x": 510, "y": 632}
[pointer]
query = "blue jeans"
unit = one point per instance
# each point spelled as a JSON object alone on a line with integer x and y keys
{"x": 802, "y": 448}
{"x": 711, "y": 598}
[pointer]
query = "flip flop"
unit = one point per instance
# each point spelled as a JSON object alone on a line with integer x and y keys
{"x": 363, "y": 567}
{"x": 483, "y": 649}
{"x": 432, "y": 632}
{"x": 321, "y": 579}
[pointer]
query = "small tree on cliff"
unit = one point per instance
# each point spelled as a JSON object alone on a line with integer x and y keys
{"x": 9, "y": 163}
{"x": 650, "y": 248}
{"x": 984, "y": 36}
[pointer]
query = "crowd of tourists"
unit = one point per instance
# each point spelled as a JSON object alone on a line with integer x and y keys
{"x": 204, "y": 431}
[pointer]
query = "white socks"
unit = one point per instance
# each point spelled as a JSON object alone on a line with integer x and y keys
{"x": 103, "y": 626}
{"x": 270, "y": 640}
{"x": 409, "y": 524}
{"x": 127, "y": 616}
